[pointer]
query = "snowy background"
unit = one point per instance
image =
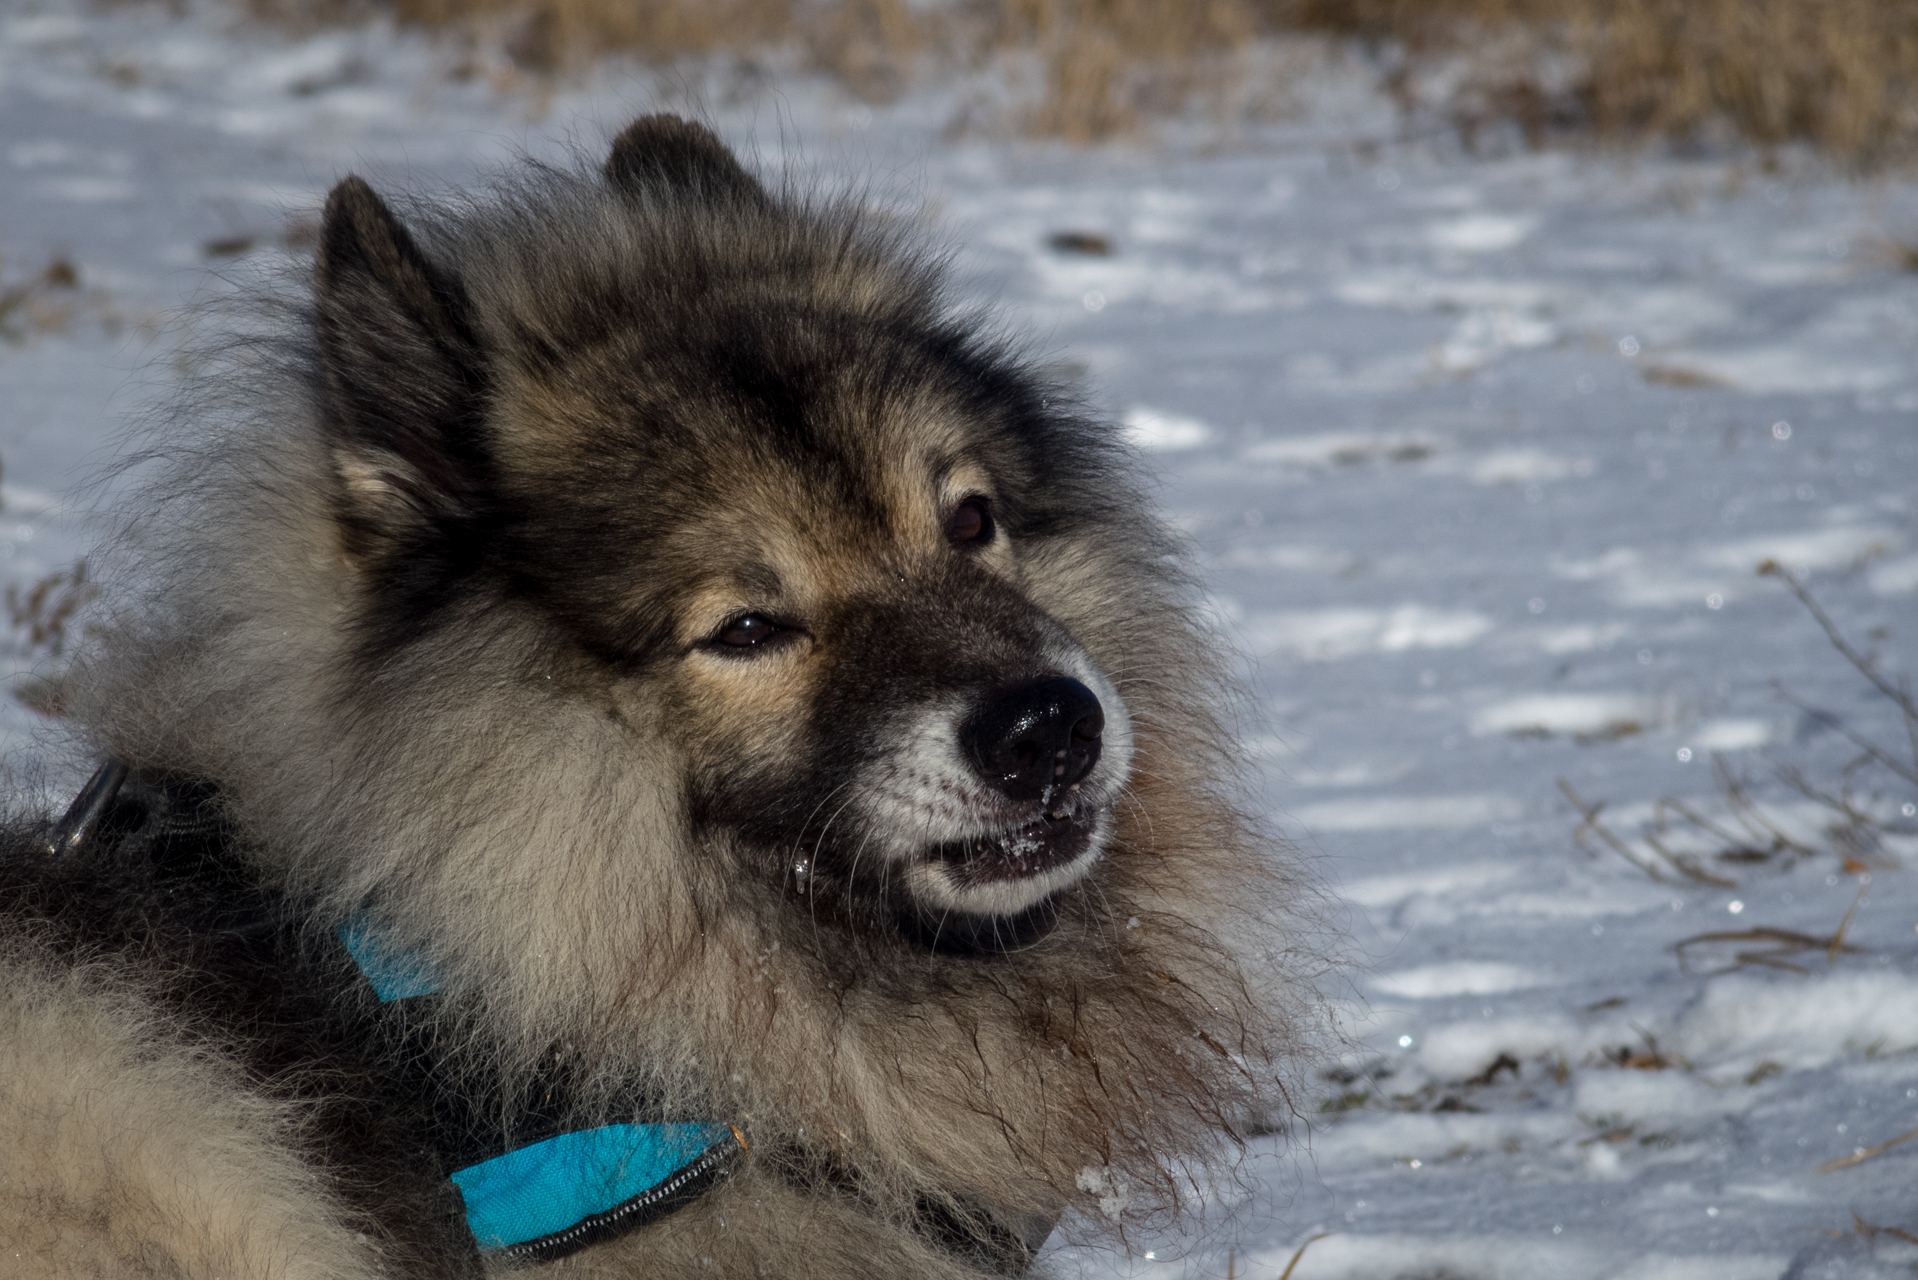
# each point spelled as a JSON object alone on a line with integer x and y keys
{"x": 1481, "y": 454}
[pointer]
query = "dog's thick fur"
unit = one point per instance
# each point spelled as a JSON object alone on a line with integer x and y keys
{"x": 444, "y": 594}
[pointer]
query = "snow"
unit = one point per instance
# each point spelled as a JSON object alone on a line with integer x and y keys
{"x": 1149, "y": 429}
{"x": 1480, "y": 455}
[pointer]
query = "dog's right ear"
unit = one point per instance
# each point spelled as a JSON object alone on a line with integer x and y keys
{"x": 667, "y": 151}
{"x": 404, "y": 376}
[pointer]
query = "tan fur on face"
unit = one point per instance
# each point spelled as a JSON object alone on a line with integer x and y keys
{"x": 126, "y": 1150}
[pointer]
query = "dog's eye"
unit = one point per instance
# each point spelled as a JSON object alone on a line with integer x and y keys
{"x": 970, "y": 524}
{"x": 748, "y": 631}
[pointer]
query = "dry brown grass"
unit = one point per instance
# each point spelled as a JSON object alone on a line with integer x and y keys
{"x": 1838, "y": 74}
{"x": 43, "y": 302}
{"x": 40, "y": 617}
{"x": 1110, "y": 64}
{"x": 1859, "y": 806}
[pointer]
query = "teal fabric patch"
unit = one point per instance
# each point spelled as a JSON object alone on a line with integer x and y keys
{"x": 395, "y": 974}
{"x": 550, "y": 1186}
{"x": 560, "y": 1194}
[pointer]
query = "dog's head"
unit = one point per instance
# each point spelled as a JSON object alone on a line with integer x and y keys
{"x": 773, "y": 504}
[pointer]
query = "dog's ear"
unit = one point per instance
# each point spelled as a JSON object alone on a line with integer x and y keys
{"x": 404, "y": 376}
{"x": 666, "y": 151}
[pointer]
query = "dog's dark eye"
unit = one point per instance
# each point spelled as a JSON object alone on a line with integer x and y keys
{"x": 748, "y": 631}
{"x": 970, "y": 524}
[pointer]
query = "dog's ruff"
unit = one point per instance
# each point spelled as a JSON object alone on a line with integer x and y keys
{"x": 754, "y": 692}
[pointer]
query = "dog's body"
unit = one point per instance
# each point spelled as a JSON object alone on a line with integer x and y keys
{"x": 752, "y": 693}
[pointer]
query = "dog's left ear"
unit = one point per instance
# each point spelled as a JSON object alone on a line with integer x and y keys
{"x": 404, "y": 375}
{"x": 668, "y": 151}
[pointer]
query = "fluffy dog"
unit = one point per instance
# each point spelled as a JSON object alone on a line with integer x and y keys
{"x": 627, "y": 655}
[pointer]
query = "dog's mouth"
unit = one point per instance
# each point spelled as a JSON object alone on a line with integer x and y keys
{"x": 989, "y": 893}
{"x": 1043, "y": 845}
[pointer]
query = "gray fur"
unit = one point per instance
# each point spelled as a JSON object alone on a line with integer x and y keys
{"x": 519, "y": 795}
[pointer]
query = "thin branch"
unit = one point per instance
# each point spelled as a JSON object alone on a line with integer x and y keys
{"x": 1908, "y": 772}
{"x": 1683, "y": 864}
{"x": 1590, "y": 813}
{"x": 1900, "y": 696}
{"x": 1686, "y": 863}
{"x": 1699, "y": 820}
{"x": 1844, "y": 926}
{"x": 1859, "y": 1156}
{"x": 1750, "y": 813}
{"x": 1300, "y": 1253}
{"x": 1781, "y": 943}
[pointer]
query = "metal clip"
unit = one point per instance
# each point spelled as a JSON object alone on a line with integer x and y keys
{"x": 70, "y": 834}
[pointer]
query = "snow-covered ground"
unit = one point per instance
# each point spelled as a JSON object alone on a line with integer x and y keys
{"x": 1482, "y": 455}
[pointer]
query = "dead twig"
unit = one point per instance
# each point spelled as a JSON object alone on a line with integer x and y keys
{"x": 1859, "y": 1157}
{"x": 1783, "y": 942}
{"x": 1736, "y": 848}
{"x": 1590, "y": 826}
{"x": 1899, "y": 693}
{"x": 1844, "y": 925}
{"x": 1896, "y": 692}
{"x": 1300, "y": 1253}
{"x": 1750, "y": 814}
{"x": 1908, "y": 772}
{"x": 1870, "y": 1231}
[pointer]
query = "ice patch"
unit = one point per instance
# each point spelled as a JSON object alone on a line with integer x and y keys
{"x": 1426, "y": 1136}
{"x": 1818, "y": 549}
{"x": 19, "y": 500}
{"x": 1417, "y": 291}
{"x": 1614, "y": 562}
{"x": 316, "y": 65}
{"x": 1655, "y": 316}
{"x": 1326, "y": 635}
{"x": 1113, "y": 1193}
{"x": 89, "y": 190}
{"x": 1895, "y": 577}
{"x": 41, "y": 29}
{"x": 1407, "y": 813}
{"x": 1480, "y": 232}
{"x": 1151, "y": 429}
{"x": 1557, "y": 904}
{"x": 1800, "y": 1021}
{"x": 1521, "y": 466}
{"x": 1345, "y": 448}
{"x": 1726, "y": 569}
{"x": 1718, "y": 1266}
{"x": 1635, "y": 1095}
{"x": 1302, "y": 559}
{"x": 1482, "y": 336}
{"x": 1388, "y": 891}
{"x": 1461, "y": 1049}
{"x": 1117, "y": 280}
{"x": 1577, "y": 714}
{"x": 1459, "y": 978}
{"x": 1351, "y": 775}
{"x": 51, "y": 153}
{"x": 1786, "y": 369}
{"x": 1731, "y": 735}
{"x": 1579, "y": 638}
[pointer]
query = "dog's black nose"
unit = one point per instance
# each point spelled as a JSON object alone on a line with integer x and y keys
{"x": 1035, "y": 736}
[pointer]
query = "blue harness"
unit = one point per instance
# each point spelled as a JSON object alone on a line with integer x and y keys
{"x": 549, "y": 1198}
